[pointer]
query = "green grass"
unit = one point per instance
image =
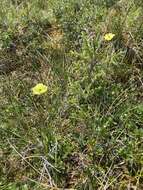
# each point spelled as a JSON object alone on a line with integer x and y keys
{"x": 86, "y": 131}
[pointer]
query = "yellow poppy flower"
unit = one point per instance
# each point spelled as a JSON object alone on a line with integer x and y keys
{"x": 39, "y": 89}
{"x": 109, "y": 36}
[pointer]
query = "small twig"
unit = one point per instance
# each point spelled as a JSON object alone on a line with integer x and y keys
{"x": 14, "y": 148}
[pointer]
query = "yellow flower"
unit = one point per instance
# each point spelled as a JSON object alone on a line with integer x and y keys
{"x": 39, "y": 89}
{"x": 109, "y": 36}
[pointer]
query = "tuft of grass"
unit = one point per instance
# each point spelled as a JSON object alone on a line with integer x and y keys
{"x": 85, "y": 131}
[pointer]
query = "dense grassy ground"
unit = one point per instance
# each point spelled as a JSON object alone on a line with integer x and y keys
{"x": 86, "y": 131}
